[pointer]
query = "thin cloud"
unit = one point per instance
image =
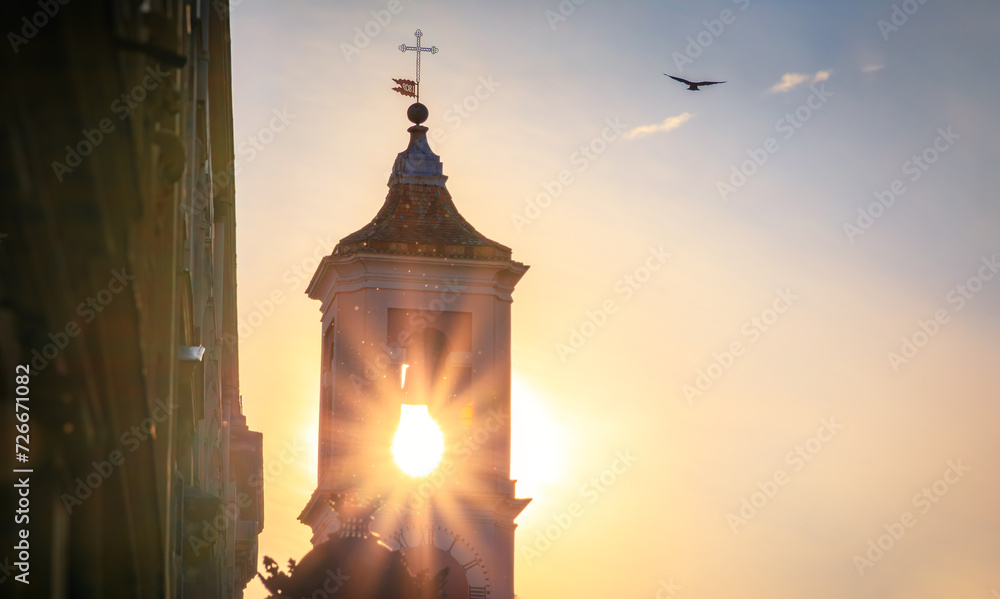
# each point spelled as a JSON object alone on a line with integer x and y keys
{"x": 668, "y": 124}
{"x": 790, "y": 81}
{"x": 872, "y": 68}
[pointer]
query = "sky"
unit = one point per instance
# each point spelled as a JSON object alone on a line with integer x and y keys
{"x": 756, "y": 352}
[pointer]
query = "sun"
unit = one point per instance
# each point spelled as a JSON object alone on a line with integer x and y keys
{"x": 540, "y": 446}
{"x": 419, "y": 443}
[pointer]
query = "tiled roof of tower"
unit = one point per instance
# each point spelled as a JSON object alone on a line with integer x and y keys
{"x": 418, "y": 216}
{"x": 421, "y": 219}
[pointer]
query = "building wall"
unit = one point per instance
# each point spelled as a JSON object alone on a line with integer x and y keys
{"x": 118, "y": 288}
{"x": 468, "y": 511}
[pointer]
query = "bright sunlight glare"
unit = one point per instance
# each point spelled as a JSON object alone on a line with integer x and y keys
{"x": 538, "y": 443}
{"x": 418, "y": 444}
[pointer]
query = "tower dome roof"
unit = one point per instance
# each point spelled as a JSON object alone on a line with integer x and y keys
{"x": 419, "y": 216}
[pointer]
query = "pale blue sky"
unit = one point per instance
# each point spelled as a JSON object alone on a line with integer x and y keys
{"x": 324, "y": 176}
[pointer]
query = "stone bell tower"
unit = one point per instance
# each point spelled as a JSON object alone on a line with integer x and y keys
{"x": 416, "y": 312}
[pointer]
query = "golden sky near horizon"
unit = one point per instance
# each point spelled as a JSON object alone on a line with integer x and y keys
{"x": 712, "y": 348}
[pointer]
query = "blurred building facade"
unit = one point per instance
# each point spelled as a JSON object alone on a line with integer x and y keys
{"x": 118, "y": 288}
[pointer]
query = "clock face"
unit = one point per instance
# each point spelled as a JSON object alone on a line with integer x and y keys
{"x": 434, "y": 547}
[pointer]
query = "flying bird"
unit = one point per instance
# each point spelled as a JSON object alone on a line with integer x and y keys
{"x": 692, "y": 86}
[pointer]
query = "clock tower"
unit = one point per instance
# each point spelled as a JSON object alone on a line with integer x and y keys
{"x": 414, "y": 409}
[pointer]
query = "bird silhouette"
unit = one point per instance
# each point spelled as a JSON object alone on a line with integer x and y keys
{"x": 692, "y": 86}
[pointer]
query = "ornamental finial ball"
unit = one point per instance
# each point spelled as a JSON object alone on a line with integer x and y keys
{"x": 417, "y": 113}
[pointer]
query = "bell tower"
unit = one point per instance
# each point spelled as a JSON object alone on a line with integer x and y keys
{"x": 414, "y": 407}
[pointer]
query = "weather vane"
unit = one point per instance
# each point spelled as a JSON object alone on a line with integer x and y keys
{"x": 407, "y": 87}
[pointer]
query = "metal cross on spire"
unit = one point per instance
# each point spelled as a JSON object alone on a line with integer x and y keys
{"x": 418, "y": 49}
